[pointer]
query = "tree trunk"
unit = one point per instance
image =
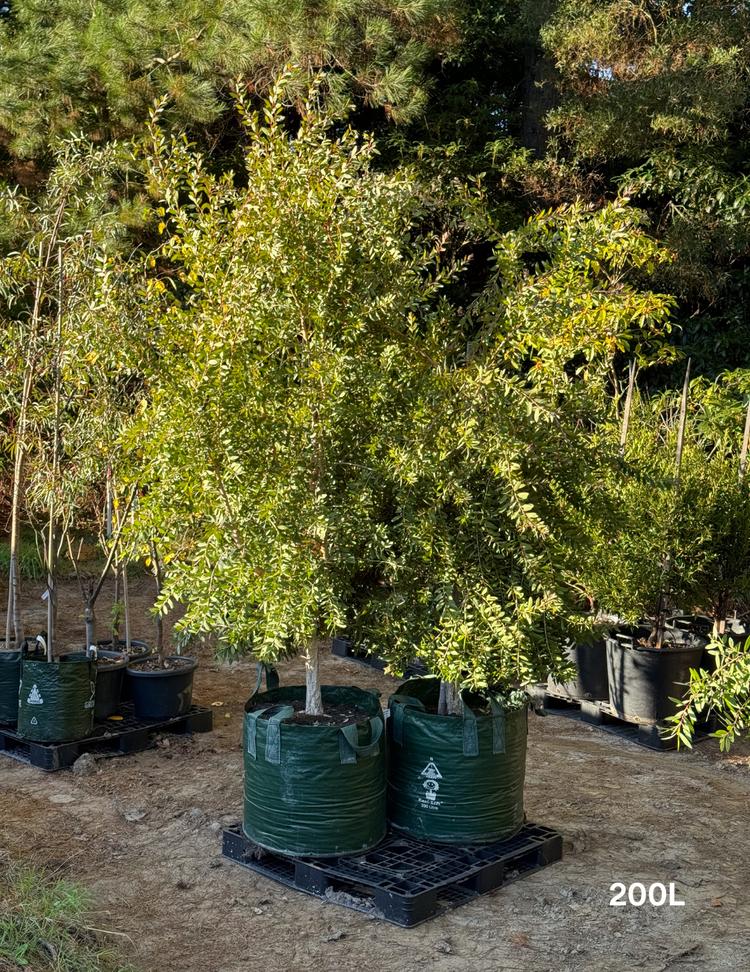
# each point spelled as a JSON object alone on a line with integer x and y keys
{"x": 89, "y": 618}
{"x": 126, "y": 606}
{"x": 313, "y": 698}
{"x": 450, "y": 699}
{"x": 159, "y": 621}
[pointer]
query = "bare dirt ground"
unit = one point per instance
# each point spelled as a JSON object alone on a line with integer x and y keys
{"x": 144, "y": 833}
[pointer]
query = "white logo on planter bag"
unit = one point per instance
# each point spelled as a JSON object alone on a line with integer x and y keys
{"x": 34, "y": 722}
{"x": 34, "y": 696}
{"x": 431, "y": 786}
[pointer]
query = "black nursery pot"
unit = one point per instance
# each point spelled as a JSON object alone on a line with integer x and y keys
{"x": 643, "y": 680}
{"x": 109, "y": 680}
{"x": 591, "y": 681}
{"x": 163, "y": 694}
{"x": 137, "y": 652}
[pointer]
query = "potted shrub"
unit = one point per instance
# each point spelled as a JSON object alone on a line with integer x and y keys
{"x": 161, "y": 685}
{"x": 276, "y": 381}
{"x": 666, "y": 550}
{"x": 491, "y": 493}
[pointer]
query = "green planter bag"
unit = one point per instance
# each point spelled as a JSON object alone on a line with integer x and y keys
{"x": 10, "y": 676}
{"x": 314, "y": 790}
{"x": 450, "y": 779}
{"x": 56, "y": 700}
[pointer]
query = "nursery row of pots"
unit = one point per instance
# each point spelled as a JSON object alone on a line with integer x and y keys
{"x": 639, "y": 680}
{"x": 59, "y": 701}
{"x": 331, "y": 790}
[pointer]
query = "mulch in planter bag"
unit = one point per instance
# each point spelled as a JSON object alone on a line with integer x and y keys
{"x": 452, "y": 779}
{"x": 10, "y": 676}
{"x": 56, "y": 700}
{"x": 314, "y": 790}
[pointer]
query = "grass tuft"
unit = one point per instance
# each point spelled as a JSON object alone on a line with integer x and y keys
{"x": 45, "y": 923}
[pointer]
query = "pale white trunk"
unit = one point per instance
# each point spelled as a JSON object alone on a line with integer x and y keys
{"x": 313, "y": 698}
{"x": 450, "y": 700}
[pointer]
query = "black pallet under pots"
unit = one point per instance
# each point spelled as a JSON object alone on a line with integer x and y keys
{"x": 402, "y": 880}
{"x": 108, "y": 738}
{"x": 600, "y": 714}
{"x": 343, "y": 648}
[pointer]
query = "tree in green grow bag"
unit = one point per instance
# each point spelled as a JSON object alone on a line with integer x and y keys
{"x": 280, "y": 325}
{"x": 44, "y": 287}
{"x": 493, "y": 489}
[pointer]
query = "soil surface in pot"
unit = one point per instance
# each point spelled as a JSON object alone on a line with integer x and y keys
{"x": 154, "y": 665}
{"x": 333, "y": 715}
{"x": 102, "y": 662}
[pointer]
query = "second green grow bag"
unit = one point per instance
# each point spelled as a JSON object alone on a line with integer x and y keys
{"x": 314, "y": 790}
{"x": 56, "y": 700}
{"x": 10, "y": 676}
{"x": 451, "y": 779}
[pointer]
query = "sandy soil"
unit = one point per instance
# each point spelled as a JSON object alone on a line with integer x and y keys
{"x": 144, "y": 833}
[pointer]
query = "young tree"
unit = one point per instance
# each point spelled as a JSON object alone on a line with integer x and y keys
{"x": 499, "y": 471}
{"x": 688, "y": 546}
{"x": 284, "y": 318}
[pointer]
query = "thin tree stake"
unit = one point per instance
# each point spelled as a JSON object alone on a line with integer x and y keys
{"x": 52, "y": 536}
{"x": 628, "y": 404}
{"x": 745, "y": 440}
{"x": 661, "y": 621}
{"x": 681, "y": 430}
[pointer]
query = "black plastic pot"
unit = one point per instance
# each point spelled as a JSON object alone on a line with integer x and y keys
{"x": 56, "y": 699}
{"x": 162, "y": 694}
{"x": 591, "y": 682}
{"x": 139, "y": 650}
{"x": 109, "y": 681}
{"x": 454, "y": 780}
{"x": 314, "y": 790}
{"x": 643, "y": 680}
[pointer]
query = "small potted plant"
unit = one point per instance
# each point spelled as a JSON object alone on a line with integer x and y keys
{"x": 161, "y": 685}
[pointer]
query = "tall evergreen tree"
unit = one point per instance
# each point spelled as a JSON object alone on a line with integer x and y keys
{"x": 98, "y": 66}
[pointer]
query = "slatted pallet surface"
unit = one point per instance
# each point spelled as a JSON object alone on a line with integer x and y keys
{"x": 404, "y": 881}
{"x": 109, "y": 738}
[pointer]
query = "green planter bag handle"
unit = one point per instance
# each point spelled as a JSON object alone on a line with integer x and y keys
{"x": 470, "y": 733}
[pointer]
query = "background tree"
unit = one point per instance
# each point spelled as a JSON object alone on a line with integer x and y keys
{"x": 98, "y": 67}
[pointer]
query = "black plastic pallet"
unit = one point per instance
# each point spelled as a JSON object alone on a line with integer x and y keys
{"x": 404, "y": 881}
{"x": 109, "y": 738}
{"x": 600, "y": 714}
{"x": 345, "y": 649}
